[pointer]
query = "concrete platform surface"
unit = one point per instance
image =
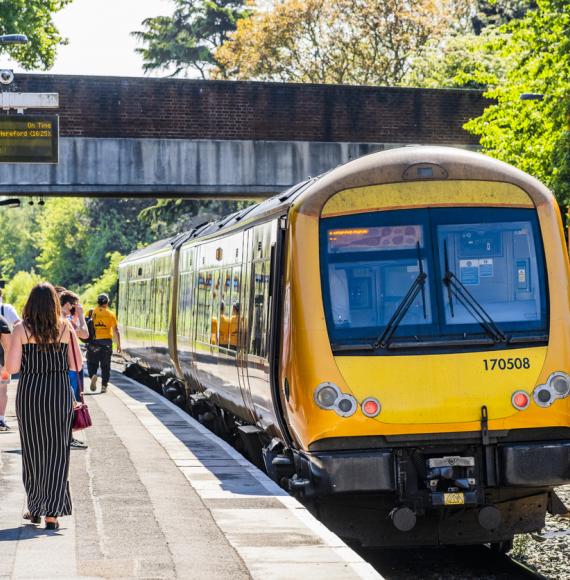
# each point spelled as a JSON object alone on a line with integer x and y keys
{"x": 156, "y": 495}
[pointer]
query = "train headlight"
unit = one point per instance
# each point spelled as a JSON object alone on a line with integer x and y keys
{"x": 326, "y": 395}
{"x": 329, "y": 397}
{"x": 559, "y": 384}
{"x": 557, "y": 387}
{"x": 346, "y": 405}
{"x": 542, "y": 396}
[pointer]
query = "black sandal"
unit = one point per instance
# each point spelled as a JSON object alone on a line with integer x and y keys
{"x": 33, "y": 519}
{"x": 52, "y": 525}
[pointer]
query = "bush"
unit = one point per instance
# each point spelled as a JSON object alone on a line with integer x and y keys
{"x": 19, "y": 287}
{"x": 105, "y": 284}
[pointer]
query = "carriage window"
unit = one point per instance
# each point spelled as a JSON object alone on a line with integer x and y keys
{"x": 370, "y": 268}
{"x": 260, "y": 292}
{"x": 370, "y": 262}
{"x": 204, "y": 306}
{"x": 497, "y": 264}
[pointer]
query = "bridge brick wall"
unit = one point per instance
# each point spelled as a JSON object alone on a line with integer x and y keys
{"x": 194, "y": 109}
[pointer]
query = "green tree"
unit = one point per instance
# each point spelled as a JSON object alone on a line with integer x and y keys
{"x": 467, "y": 56}
{"x": 17, "y": 241}
{"x": 347, "y": 42}
{"x": 465, "y": 61}
{"x": 533, "y": 135}
{"x": 106, "y": 283}
{"x": 189, "y": 38}
{"x": 168, "y": 217}
{"x": 485, "y": 13}
{"x": 113, "y": 225}
{"x": 60, "y": 238}
{"x": 19, "y": 287}
{"x": 34, "y": 19}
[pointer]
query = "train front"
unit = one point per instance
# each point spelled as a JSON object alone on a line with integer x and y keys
{"x": 426, "y": 369}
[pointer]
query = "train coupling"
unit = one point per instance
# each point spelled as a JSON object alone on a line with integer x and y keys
{"x": 299, "y": 484}
{"x": 451, "y": 481}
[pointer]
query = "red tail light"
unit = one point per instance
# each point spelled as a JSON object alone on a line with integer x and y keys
{"x": 371, "y": 407}
{"x": 520, "y": 400}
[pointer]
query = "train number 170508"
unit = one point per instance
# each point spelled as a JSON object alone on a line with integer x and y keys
{"x": 506, "y": 364}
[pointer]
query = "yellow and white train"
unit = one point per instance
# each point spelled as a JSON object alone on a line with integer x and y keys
{"x": 389, "y": 340}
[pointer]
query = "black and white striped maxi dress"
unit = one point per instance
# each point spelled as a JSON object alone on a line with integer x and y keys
{"x": 44, "y": 407}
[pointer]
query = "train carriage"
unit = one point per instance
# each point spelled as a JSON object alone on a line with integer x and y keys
{"x": 389, "y": 340}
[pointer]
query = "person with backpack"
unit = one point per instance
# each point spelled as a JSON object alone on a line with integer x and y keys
{"x": 100, "y": 346}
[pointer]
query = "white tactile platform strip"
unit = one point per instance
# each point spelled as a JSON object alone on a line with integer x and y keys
{"x": 282, "y": 542}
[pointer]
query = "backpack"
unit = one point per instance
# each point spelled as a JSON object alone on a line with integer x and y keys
{"x": 90, "y": 321}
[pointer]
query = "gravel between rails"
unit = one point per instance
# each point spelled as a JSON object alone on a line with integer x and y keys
{"x": 551, "y": 557}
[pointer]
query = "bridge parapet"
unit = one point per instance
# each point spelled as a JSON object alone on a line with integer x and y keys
{"x": 178, "y": 137}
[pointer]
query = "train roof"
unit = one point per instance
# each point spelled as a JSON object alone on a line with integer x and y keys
{"x": 406, "y": 164}
{"x": 153, "y": 248}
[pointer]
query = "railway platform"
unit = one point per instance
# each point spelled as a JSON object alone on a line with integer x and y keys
{"x": 156, "y": 495}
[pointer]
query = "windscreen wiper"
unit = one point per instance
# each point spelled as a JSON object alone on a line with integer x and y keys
{"x": 418, "y": 285}
{"x": 468, "y": 301}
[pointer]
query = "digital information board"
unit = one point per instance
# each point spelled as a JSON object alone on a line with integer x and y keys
{"x": 29, "y": 138}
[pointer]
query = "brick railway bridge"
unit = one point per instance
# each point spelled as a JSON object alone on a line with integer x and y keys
{"x": 193, "y": 138}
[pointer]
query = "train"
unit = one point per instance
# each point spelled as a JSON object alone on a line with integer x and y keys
{"x": 390, "y": 341}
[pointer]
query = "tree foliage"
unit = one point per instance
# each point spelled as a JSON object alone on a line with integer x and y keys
{"x": 465, "y": 61}
{"x": 533, "y": 135}
{"x": 347, "y": 41}
{"x": 171, "y": 216}
{"x": 70, "y": 241}
{"x": 466, "y": 57}
{"x": 106, "y": 283}
{"x": 189, "y": 38}
{"x": 19, "y": 287}
{"x": 34, "y": 19}
{"x": 78, "y": 243}
{"x": 17, "y": 242}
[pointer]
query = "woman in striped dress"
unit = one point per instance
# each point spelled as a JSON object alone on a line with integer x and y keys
{"x": 40, "y": 351}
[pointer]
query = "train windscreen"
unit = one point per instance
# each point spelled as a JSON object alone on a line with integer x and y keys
{"x": 433, "y": 273}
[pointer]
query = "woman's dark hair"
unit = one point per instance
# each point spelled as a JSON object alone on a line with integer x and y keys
{"x": 42, "y": 314}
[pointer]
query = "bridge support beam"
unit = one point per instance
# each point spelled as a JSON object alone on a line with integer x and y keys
{"x": 117, "y": 167}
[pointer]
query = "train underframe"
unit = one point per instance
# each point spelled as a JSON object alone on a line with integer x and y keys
{"x": 437, "y": 494}
{"x": 426, "y": 492}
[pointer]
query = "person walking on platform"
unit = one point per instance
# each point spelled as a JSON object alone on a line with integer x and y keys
{"x": 72, "y": 311}
{"x": 8, "y": 312}
{"x": 100, "y": 349}
{"x": 4, "y": 380}
{"x": 41, "y": 351}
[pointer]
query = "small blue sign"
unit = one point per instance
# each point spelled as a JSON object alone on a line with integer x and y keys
{"x": 469, "y": 272}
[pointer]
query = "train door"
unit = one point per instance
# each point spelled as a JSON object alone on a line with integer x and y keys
{"x": 259, "y": 306}
{"x": 243, "y": 330}
{"x": 150, "y": 291}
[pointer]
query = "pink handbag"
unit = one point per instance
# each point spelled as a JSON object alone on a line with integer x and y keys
{"x": 81, "y": 416}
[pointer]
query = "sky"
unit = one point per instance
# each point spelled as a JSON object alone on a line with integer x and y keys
{"x": 99, "y": 36}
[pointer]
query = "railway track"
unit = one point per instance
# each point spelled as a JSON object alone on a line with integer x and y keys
{"x": 449, "y": 563}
